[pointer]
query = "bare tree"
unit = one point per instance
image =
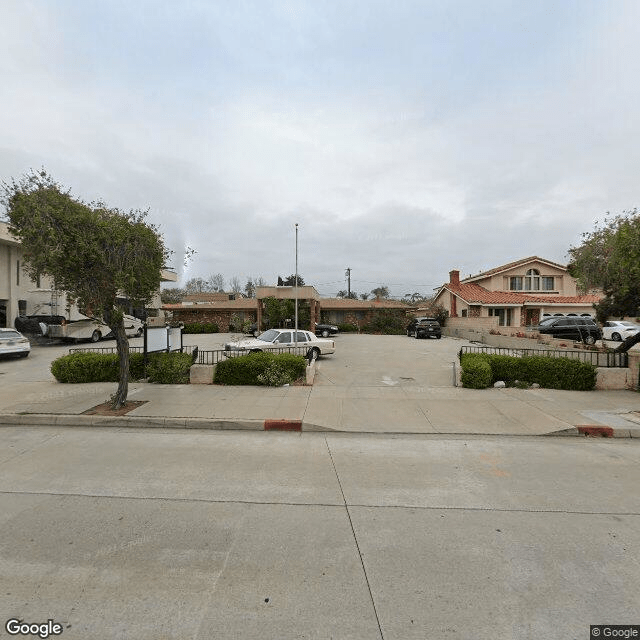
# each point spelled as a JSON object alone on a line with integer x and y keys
{"x": 216, "y": 282}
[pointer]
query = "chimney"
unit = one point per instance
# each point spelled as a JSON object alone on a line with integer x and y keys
{"x": 454, "y": 277}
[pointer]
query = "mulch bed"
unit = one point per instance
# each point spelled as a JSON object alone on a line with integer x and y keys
{"x": 105, "y": 409}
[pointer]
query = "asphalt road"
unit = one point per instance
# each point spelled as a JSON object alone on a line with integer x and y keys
{"x": 224, "y": 535}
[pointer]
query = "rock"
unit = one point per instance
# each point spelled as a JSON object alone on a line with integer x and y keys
{"x": 500, "y": 385}
{"x": 535, "y": 385}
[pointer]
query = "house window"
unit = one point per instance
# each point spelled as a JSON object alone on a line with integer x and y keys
{"x": 547, "y": 283}
{"x": 515, "y": 283}
{"x": 504, "y": 316}
{"x": 532, "y": 280}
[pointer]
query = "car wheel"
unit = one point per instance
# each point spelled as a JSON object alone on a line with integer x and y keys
{"x": 617, "y": 337}
{"x": 24, "y": 355}
{"x": 95, "y": 336}
{"x": 325, "y": 333}
{"x": 256, "y": 333}
{"x": 590, "y": 339}
{"x": 315, "y": 353}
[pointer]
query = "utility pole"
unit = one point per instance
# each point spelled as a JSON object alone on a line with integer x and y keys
{"x": 348, "y": 274}
{"x": 295, "y": 340}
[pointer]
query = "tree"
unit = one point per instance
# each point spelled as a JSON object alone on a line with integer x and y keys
{"x": 291, "y": 281}
{"x": 172, "y": 295}
{"x": 93, "y": 252}
{"x": 609, "y": 259}
{"x": 381, "y": 292}
{"x": 364, "y": 296}
{"x": 342, "y": 293}
{"x": 197, "y": 285}
{"x": 234, "y": 285}
{"x": 216, "y": 283}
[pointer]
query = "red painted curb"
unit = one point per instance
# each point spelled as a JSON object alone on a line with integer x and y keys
{"x": 596, "y": 431}
{"x": 283, "y": 425}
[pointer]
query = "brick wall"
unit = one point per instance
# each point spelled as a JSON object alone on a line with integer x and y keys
{"x": 220, "y": 317}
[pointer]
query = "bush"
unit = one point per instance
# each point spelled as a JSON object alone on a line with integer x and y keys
{"x": 95, "y": 367}
{"x": 548, "y": 372}
{"x": 347, "y": 327}
{"x": 387, "y": 322}
{"x": 476, "y": 371}
{"x": 271, "y": 369}
{"x": 169, "y": 368}
{"x": 201, "y": 327}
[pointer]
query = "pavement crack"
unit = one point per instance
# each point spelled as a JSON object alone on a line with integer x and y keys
{"x": 355, "y": 538}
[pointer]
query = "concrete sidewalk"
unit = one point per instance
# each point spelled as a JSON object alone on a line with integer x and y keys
{"x": 402, "y": 408}
{"x": 373, "y": 384}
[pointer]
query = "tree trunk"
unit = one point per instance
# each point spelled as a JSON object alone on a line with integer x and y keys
{"x": 122, "y": 343}
{"x": 627, "y": 343}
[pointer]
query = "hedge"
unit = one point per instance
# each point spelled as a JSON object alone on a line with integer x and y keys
{"x": 201, "y": 327}
{"x": 476, "y": 371}
{"x": 548, "y": 372}
{"x": 169, "y": 368}
{"x": 347, "y": 327}
{"x": 166, "y": 368}
{"x": 271, "y": 369}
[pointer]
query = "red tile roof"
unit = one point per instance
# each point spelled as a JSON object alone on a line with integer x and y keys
{"x": 475, "y": 294}
{"x": 511, "y": 265}
{"x": 350, "y": 303}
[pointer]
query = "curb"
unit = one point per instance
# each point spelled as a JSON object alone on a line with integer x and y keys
{"x": 597, "y": 431}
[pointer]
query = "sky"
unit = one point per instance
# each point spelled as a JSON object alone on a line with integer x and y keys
{"x": 405, "y": 138}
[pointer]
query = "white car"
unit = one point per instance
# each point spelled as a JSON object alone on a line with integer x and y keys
{"x": 306, "y": 344}
{"x": 618, "y": 330}
{"x": 12, "y": 342}
{"x": 92, "y": 329}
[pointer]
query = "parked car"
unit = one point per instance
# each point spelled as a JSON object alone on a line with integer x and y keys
{"x": 306, "y": 344}
{"x": 83, "y": 329}
{"x": 326, "y": 330}
{"x": 618, "y": 330}
{"x": 428, "y": 328}
{"x": 411, "y": 327}
{"x": 576, "y": 328}
{"x": 133, "y": 327}
{"x": 12, "y": 342}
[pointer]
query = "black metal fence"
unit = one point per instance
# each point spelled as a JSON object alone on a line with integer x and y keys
{"x": 106, "y": 350}
{"x": 215, "y": 356}
{"x": 611, "y": 359}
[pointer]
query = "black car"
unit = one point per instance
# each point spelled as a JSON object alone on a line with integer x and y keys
{"x": 577, "y": 328}
{"x": 326, "y": 330}
{"x": 428, "y": 328}
{"x": 423, "y": 321}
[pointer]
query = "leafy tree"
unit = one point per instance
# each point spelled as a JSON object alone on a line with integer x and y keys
{"x": 380, "y": 292}
{"x": 93, "y": 252}
{"x": 291, "y": 281}
{"x": 609, "y": 259}
{"x": 352, "y": 295}
{"x": 364, "y": 296}
{"x": 342, "y": 293}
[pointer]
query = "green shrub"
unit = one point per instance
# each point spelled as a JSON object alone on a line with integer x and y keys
{"x": 476, "y": 371}
{"x": 387, "y": 322}
{"x": 201, "y": 327}
{"x": 548, "y": 372}
{"x": 347, "y": 327}
{"x": 261, "y": 369}
{"x": 169, "y": 368}
{"x": 95, "y": 367}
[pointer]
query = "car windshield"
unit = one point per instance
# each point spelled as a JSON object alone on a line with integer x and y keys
{"x": 269, "y": 336}
{"x": 9, "y": 335}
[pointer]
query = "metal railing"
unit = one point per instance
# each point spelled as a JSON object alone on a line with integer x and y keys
{"x": 610, "y": 359}
{"x": 215, "y": 356}
{"x": 107, "y": 350}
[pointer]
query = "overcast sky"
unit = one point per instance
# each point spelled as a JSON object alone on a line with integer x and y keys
{"x": 406, "y": 138}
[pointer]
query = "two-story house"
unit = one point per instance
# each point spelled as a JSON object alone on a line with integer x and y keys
{"x": 519, "y": 294}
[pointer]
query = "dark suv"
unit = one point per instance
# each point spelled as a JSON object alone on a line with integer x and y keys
{"x": 424, "y": 328}
{"x": 576, "y": 328}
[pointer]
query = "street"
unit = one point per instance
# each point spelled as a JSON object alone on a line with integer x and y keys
{"x": 118, "y": 533}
